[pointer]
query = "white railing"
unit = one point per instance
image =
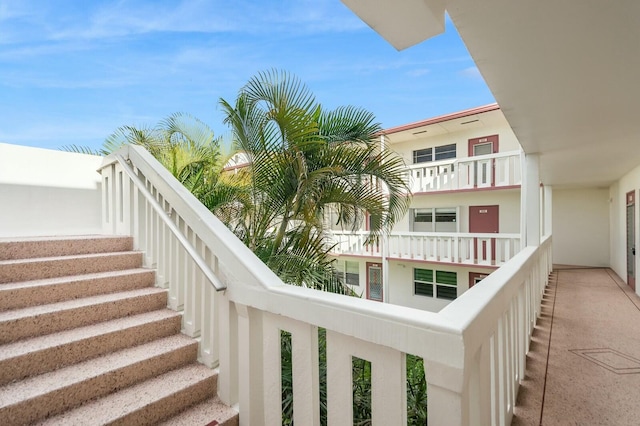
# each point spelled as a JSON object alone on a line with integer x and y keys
{"x": 483, "y": 171}
{"x": 463, "y": 248}
{"x": 473, "y": 350}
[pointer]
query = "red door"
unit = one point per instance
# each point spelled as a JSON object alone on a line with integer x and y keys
{"x": 484, "y": 220}
{"x": 631, "y": 239}
{"x": 475, "y": 278}
{"x": 374, "y": 281}
{"x": 484, "y": 146}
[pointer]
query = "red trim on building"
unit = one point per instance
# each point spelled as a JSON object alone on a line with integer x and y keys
{"x": 442, "y": 118}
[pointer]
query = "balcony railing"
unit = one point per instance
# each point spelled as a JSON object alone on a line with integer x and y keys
{"x": 483, "y": 171}
{"x": 463, "y": 248}
{"x": 474, "y": 350}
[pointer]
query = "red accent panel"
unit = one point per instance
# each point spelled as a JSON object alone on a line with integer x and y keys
{"x": 484, "y": 139}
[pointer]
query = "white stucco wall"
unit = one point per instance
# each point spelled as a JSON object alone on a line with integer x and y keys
{"x": 618, "y": 223}
{"x": 581, "y": 227}
{"x": 47, "y": 192}
{"x": 400, "y": 289}
{"x": 507, "y": 199}
{"x": 507, "y": 141}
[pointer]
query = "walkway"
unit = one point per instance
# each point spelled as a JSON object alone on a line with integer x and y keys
{"x": 584, "y": 362}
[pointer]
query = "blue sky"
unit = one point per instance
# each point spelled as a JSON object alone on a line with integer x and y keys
{"x": 72, "y": 72}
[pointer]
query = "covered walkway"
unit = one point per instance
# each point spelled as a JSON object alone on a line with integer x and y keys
{"x": 583, "y": 367}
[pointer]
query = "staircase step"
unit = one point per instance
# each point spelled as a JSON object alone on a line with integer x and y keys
{"x": 51, "y": 267}
{"x": 46, "y": 353}
{"x": 53, "y": 393}
{"x": 149, "y": 402}
{"x": 45, "y": 319}
{"x": 51, "y": 290}
{"x": 33, "y": 247}
{"x": 209, "y": 412}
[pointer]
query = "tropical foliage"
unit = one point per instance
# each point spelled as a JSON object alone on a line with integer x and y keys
{"x": 188, "y": 149}
{"x": 306, "y": 161}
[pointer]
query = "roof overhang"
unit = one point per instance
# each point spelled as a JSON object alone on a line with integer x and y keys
{"x": 564, "y": 73}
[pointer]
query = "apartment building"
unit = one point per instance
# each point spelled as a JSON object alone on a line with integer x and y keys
{"x": 464, "y": 173}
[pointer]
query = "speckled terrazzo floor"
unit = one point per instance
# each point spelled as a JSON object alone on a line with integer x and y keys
{"x": 584, "y": 362}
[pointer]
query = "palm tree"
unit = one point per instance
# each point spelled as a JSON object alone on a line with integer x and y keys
{"x": 304, "y": 162}
{"x": 188, "y": 149}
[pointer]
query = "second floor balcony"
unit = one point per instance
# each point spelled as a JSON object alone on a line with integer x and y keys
{"x": 453, "y": 247}
{"x": 479, "y": 172}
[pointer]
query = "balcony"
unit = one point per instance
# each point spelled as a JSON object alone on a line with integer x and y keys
{"x": 458, "y": 248}
{"x": 498, "y": 170}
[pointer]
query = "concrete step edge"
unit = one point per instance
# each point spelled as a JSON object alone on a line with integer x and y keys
{"x": 42, "y": 354}
{"x": 46, "y": 319}
{"x": 51, "y": 393}
{"x": 147, "y": 402}
{"x": 24, "y": 294}
{"x": 29, "y": 247}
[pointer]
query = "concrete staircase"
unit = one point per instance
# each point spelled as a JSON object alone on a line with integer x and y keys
{"x": 85, "y": 338}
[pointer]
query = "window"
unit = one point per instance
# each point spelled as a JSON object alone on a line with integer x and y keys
{"x": 445, "y": 151}
{"x": 423, "y": 282}
{"x": 434, "y": 154}
{"x": 445, "y": 285}
{"x": 348, "y": 272}
{"x": 423, "y": 215}
{"x": 352, "y": 273}
{"x": 422, "y": 155}
{"x": 441, "y": 219}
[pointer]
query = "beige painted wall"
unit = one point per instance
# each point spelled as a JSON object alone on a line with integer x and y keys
{"x": 581, "y": 227}
{"x": 46, "y": 192}
{"x": 618, "y": 225}
{"x": 400, "y": 289}
{"x": 507, "y": 199}
{"x": 507, "y": 141}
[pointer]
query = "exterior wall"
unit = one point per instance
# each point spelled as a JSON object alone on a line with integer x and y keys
{"x": 507, "y": 199}
{"x": 400, "y": 290}
{"x": 46, "y": 192}
{"x": 618, "y": 223}
{"x": 507, "y": 141}
{"x": 581, "y": 227}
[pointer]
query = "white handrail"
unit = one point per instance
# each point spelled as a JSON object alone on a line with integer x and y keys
{"x": 199, "y": 261}
{"x": 473, "y": 350}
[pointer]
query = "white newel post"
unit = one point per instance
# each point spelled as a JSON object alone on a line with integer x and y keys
{"x": 250, "y": 363}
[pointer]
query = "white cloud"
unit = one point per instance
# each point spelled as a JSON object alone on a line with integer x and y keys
{"x": 418, "y": 72}
{"x": 471, "y": 73}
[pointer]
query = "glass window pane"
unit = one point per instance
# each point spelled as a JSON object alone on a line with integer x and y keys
{"x": 422, "y": 215}
{"x": 423, "y": 275}
{"x": 423, "y": 289}
{"x": 446, "y": 215}
{"x": 445, "y": 151}
{"x": 483, "y": 148}
{"x": 422, "y": 155}
{"x": 446, "y": 292}
{"x": 446, "y": 277}
{"x": 352, "y": 275}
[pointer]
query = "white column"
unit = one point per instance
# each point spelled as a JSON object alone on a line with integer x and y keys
{"x": 530, "y": 202}
{"x": 548, "y": 210}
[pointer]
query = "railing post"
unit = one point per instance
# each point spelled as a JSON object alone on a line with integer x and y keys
{"x": 228, "y": 338}
{"x": 250, "y": 372}
{"x": 108, "y": 199}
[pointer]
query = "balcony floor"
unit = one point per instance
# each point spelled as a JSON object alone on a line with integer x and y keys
{"x": 583, "y": 367}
